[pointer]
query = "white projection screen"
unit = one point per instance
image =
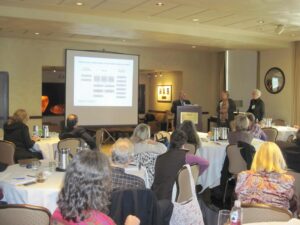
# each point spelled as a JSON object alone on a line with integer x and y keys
{"x": 102, "y": 88}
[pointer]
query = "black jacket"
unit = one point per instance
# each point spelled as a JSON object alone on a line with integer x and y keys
{"x": 231, "y": 110}
{"x": 18, "y": 133}
{"x": 291, "y": 153}
{"x": 257, "y": 107}
{"x": 78, "y": 132}
{"x": 166, "y": 168}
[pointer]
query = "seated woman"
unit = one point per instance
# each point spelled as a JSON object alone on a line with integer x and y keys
{"x": 188, "y": 127}
{"x": 255, "y": 129}
{"x": 142, "y": 142}
{"x": 17, "y": 132}
{"x": 85, "y": 196}
{"x": 267, "y": 182}
{"x": 168, "y": 164}
{"x": 241, "y": 132}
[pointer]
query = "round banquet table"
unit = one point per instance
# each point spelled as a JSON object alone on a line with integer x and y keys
{"x": 290, "y": 222}
{"x": 41, "y": 194}
{"x": 47, "y": 146}
{"x": 284, "y": 132}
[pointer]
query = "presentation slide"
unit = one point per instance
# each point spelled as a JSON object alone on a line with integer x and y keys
{"x": 102, "y": 88}
{"x": 102, "y": 81}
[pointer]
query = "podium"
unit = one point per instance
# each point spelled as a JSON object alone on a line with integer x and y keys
{"x": 190, "y": 112}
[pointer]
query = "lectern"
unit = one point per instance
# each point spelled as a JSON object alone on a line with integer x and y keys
{"x": 190, "y": 112}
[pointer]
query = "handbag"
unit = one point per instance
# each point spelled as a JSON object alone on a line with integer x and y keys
{"x": 188, "y": 212}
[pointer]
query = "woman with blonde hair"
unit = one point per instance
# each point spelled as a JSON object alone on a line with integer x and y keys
{"x": 267, "y": 182}
{"x": 16, "y": 131}
{"x": 142, "y": 142}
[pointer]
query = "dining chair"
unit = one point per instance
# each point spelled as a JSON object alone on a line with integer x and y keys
{"x": 236, "y": 165}
{"x": 195, "y": 172}
{"x": 184, "y": 192}
{"x": 279, "y": 122}
{"x": 271, "y": 133}
{"x": 191, "y": 147}
{"x": 7, "y": 152}
{"x": 71, "y": 143}
{"x": 290, "y": 138}
{"x": 24, "y": 214}
{"x": 253, "y": 213}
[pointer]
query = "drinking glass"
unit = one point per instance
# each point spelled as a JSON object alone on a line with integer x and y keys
{"x": 223, "y": 217}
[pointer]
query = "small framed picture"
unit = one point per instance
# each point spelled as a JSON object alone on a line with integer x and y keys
{"x": 164, "y": 93}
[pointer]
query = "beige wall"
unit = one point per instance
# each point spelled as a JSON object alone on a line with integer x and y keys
{"x": 24, "y": 58}
{"x": 279, "y": 106}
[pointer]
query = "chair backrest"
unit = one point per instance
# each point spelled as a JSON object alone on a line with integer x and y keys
{"x": 192, "y": 148}
{"x": 162, "y": 134}
{"x": 271, "y": 133}
{"x": 290, "y": 138}
{"x": 195, "y": 172}
{"x": 237, "y": 163}
{"x": 7, "y": 152}
{"x": 99, "y": 137}
{"x": 24, "y": 214}
{"x": 279, "y": 122}
{"x": 183, "y": 183}
{"x": 296, "y": 175}
{"x": 72, "y": 143}
{"x": 147, "y": 160}
{"x": 253, "y": 213}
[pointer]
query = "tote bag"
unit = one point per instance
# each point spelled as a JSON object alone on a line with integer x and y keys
{"x": 189, "y": 212}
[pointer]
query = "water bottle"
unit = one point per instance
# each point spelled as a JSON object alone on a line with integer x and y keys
{"x": 45, "y": 131}
{"x": 86, "y": 147}
{"x": 236, "y": 214}
{"x": 36, "y": 131}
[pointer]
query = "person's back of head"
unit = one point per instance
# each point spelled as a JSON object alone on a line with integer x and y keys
{"x": 189, "y": 128}
{"x": 178, "y": 139}
{"x": 20, "y": 116}
{"x": 87, "y": 179}
{"x": 268, "y": 158}
{"x": 241, "y": 123}
{"x": 72, "y": 121}
{"x": 141, "y": 133}
{"x": 122, "y": 152}
{"x": 251, "y": 117}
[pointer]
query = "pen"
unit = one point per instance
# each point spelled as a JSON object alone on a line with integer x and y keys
{"x": 19, "y": 178}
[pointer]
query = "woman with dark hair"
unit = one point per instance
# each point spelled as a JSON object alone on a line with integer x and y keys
{"x": 168, "y": 164}
{"x": 85, "y": 196}
{"x": 17, "y": 132}
{"x": 188, "y": 127}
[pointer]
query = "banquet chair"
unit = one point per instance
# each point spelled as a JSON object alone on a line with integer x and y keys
{"x": 279, "y": 122}
{"x": 162, "y": 134}
{"x": 192, "y": 148}
{"x": 24, "y": 215}
{"x": 184, "y": 192}
{"x": 296, "y": 175}
{"x": 290, "y": 138}
{"x": 271, "y": 133}
{"x": 7, "y": 151}
{"x": 99, "y": 137}
{"x": 253, "y": 213}
{"x": 236, "y": 165}
{"x": 71, "y": 143}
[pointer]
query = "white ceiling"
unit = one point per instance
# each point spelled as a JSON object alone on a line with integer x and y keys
{"x": 180, "y": 24}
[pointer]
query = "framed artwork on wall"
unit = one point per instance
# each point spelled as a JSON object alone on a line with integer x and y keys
{"x": 164, "y": 93}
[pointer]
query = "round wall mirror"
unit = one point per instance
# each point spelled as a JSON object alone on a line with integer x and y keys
{"x": 274, "y": 80}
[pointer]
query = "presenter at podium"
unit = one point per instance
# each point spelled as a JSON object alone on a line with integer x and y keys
{"x": 182, "y": 101}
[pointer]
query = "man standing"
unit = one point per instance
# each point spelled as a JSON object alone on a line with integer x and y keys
{"x": 179, "y": 102}
{"x": 257, "y": 106}
{"x": 225, "y": 110}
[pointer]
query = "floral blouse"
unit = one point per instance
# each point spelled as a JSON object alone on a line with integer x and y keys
{"x": 267, "y": 188}
{"x": 95, "y": 218}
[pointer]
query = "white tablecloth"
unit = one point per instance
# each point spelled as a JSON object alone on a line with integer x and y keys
{"x": 291, "y": 222}
{"x": 215, "y": 153}
{"x": 284, "y": 132}
{"x": 47, "y": 146}
{"x": 41, "y": 194}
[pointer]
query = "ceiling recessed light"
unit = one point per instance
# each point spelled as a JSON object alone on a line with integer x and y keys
{"x": 124, "y": 40}
{"x": 159, "y": 4}
{"x": 260, "y": 21}
{"x": 194, "y": 46}
{"x": 195, "y": 20}
{"x": 37, "y": 33}
{"x": 79, "y": 3}
{"x": 293, "y": 35}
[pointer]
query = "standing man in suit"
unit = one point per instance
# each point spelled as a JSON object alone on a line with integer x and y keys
{"x": 179, "y": 102}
